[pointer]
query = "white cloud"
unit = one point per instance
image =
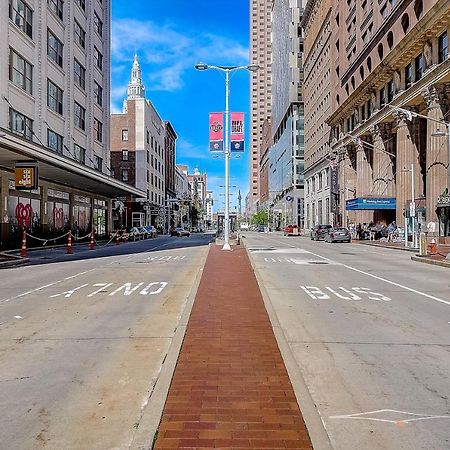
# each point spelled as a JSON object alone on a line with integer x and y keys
{"x": 187, "y": 150}
{"x": 169, "y": 52}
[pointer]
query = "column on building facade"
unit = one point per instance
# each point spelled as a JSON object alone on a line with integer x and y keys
{"x": 44, "y": 211}
{"x": 407, "y": 155}
{"x": 4, "y": 220}
{"x": 437, "y": 99}
{"x": 347, "y": 177}
{"x": 383, "y": 161}
{"x": 364, "y": 181}
{"x": 71, "y": 208}
{"x": 109, "y": 217}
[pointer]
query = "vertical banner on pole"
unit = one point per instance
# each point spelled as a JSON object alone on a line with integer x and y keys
{"x": 216, "y": 132}
{"x": 237, "y": 132}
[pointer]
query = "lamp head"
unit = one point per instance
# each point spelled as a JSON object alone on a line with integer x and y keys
{"x": 253, "y": 67}
{"x": 201, "y": 66}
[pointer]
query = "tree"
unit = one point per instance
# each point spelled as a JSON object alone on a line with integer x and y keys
{"x": 260, "y": 218}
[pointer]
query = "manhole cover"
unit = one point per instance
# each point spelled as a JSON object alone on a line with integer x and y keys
{"x": 317, "y": 262}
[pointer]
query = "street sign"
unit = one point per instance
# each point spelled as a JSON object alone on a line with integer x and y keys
{"x": 412, "y": 209}
{"x": 26, "y": 175}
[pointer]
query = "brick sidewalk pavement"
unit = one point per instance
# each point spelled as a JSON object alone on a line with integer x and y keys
{"x": 230, "y": 389}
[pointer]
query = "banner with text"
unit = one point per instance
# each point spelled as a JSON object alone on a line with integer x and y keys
{"x": 237, "y": 132}
{"x": 216, "y": 132}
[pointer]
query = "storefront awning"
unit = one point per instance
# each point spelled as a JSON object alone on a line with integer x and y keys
{"x": 56, "y": 168}
{"x": 370, "y": 203}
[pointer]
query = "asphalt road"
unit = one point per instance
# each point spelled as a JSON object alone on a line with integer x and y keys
{"x": 83, "y": 341}
{"x": 370, "y": 332}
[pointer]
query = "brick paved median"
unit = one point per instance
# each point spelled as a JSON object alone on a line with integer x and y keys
{"x": 230, "y": 388}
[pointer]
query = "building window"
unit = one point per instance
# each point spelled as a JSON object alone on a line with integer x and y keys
{"x": 79, "y": 153}
{"x": 22, "y": 16}
{"x": 390, "y": 40}
{"x": 408, "y": 76}
{"x": 54, "y": 97}
{"x": 390, "y": 91}
{"x": 98, "y": 94}
{"x": 79, "y": 74}
{"x": 124, "y": 174}
{"x": 20, "y": 72}
{"x": 81, "y": 4}
{"x": 80, "y": 35}
{"x": 54, "y": 48}
{"x": 382, "y": 97}
{"x": 98, "y": 130}
{"x": 405, "y": 23}
{"x": 57, "y": 7}
{"x": 124, "y": 135}
{"x": 20, "y": 124}
{"x": 420, "y": 66}
{"x": 124, "y": 155}
{"x": 54, "y": 141}
{"x": 443, "y": 47}
{"x": 98, "y": 58}
{"x": 80, "y": 116}
{"x": 98, "y": 162}
{"x": 98, "y": 24}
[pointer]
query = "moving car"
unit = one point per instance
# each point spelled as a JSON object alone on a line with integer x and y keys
{"x": 338, "y": 234}
{"x": 319, "y": 232}
{"x": 291, "y": 230}
{"x": 179, "y": 231}
{"x": 150, "y": 231}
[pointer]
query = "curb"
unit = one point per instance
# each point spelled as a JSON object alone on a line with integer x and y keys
{"x": 431, "y": 261}
{"x": 404, "y": 249}
{"x": 313, "y": 421}
{"x": 13, "y": 261}
{"x": 145, "y": 434}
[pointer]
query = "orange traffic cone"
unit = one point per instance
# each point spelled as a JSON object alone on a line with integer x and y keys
{"x": 117, "y": 239}
{"x": 24, "y": 244}
{"x": 69, "y": 244}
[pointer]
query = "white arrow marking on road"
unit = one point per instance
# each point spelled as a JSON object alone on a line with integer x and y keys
{"x": 102, "y": 287}
{"x": 69, "y": 293}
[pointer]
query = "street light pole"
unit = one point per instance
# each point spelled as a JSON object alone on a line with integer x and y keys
{"x": 227, "y": 150}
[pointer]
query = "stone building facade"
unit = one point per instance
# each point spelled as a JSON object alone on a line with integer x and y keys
{"x": 54, "y": 110}
{"x": 389, "y": 55}
{"x": 320, "y": 203}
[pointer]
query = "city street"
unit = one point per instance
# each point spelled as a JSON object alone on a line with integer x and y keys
{"x": 82, "y": 342}
{"x": 370, "y": 334}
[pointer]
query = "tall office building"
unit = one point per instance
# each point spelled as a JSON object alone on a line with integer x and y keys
{"x": 320, "y": 202}
{"x": 286, "y": 155}
{"x": 388, "y": 55}
{"x": 260, "y": 90}
{"x": 55, "y": 111}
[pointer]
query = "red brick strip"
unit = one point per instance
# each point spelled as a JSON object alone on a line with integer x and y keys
{"x": 230, "y": 388}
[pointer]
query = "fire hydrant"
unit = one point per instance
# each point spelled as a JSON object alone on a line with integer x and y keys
{"x": 432, "y": 246}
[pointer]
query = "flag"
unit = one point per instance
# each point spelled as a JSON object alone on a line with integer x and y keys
{"x": 237, "y": 132}
{"x": 216, "y": 132}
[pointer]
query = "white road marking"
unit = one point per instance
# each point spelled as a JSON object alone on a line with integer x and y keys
{"x": 68, "y": 294}
{"x": 145, "y": 291}
{"x": 128, "y": 289}
{"x": 18, "y": 317}
{"x": 369, "y": 416}
{"x": 102, "y": 286}
{"x": 45, "y": 286}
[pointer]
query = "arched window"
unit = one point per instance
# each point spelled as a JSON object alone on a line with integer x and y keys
{"x": 361, "y": 73}
{"x": 405, "y": 23}
{"x": 353, "y": 82}
{"x": 418, "y": 8}
{"x": 347, "y": 89}
{"x": 338, "y": 99}
{"x": 369, "y": 63}
{"x": 390, "y": 40}
{"x": 380, "y": 51}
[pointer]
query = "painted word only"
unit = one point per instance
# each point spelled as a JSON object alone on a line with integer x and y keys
{"x": 126, "y": 289}
{"x": 355, "y": 293}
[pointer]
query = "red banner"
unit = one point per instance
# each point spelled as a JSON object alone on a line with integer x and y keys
{"x": 237, "y": 132}
{"x": 216, "y": 132}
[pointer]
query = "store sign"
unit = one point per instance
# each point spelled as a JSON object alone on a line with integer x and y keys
{"x": 371, "y": 203}
{"x": 443, "y": 201}
{"x": 26, "y": 175}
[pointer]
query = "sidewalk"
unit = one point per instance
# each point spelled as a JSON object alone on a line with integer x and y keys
{"x": 230, "y": 389}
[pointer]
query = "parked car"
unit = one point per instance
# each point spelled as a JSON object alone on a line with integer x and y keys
{"x": 291, "y": 230}
{"x": 261, "y": 228}
{"x": 319, "y": 232}
{"x": 150, "y": 231}
{"x": 179, "y": 231}
{"x": 132, "y": 234}
{"x": 338, "y": 234}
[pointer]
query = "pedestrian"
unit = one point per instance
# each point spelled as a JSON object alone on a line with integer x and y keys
{"x": 358, "y": 231}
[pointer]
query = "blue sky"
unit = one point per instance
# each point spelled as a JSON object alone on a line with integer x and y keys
{"x": 170, "y": 37}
